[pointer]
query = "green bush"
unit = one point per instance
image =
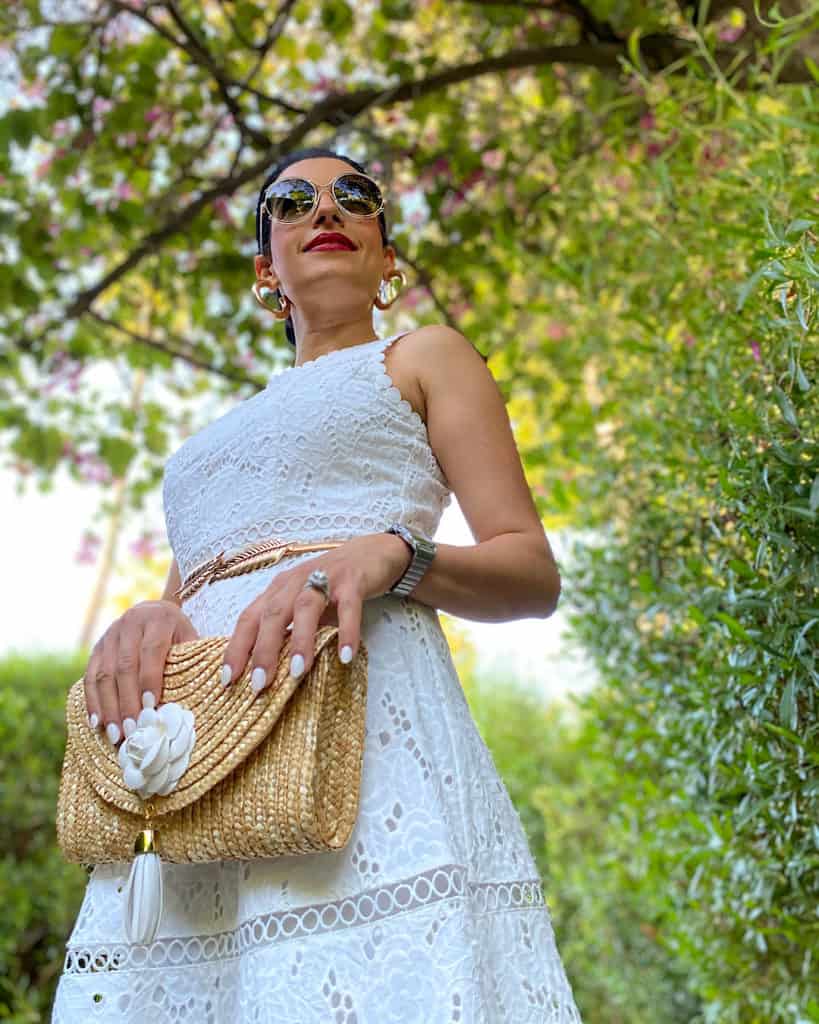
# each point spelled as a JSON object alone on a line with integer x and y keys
{"x": 39, "y": 892}
{"x": 697, "y": 597}
{"x": 608, "y": 906}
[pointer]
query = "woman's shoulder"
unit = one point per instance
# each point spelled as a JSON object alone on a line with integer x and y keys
{"x": 431, "y": 346}
{"x": 429, "y": 357}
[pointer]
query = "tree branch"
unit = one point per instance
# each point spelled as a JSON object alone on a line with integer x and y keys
{"x": 590, "y": 27}
{"x": 348, "y": 105}
{"x": 235, "y": 376}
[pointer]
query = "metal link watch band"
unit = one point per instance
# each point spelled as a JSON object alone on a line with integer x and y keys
{"x": 423, "y": 552}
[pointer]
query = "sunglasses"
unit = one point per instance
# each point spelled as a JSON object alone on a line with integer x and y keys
{"x": 292, "y": 199}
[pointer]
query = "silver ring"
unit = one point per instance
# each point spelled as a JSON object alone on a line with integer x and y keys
{"x": 318, "y": 580}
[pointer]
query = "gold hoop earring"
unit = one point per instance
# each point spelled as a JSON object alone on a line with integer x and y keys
{"x": 281, "y": 312}
{"x": 378, "y": 301}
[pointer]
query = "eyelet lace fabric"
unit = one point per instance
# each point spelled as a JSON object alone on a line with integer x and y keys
{"x": 433, "y": 912}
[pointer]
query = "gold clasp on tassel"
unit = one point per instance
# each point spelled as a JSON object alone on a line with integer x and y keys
{"x": 146, "y": 841}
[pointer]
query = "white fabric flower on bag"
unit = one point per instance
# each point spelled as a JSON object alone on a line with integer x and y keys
{"x": 154, "y": 757}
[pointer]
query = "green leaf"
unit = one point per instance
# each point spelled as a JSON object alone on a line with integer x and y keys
{"x": 813, "y": 500}
{"x": 118, "y": 453}
{"x": 811, "y": 65}
{"x": 785, "y": 406}
{"x": 337, "y": 17}
{"x": 736, "y": 628}
{"x": 787, "y": 704}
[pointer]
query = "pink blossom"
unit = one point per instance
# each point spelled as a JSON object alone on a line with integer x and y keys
{"x": 412, "y": 297}
{"x": 101, "y": 105}
{"x": 125, "y": 190}
{"x": 62, "y": 369}
{"x": 556, "y": 331}
{"x": 324, "y": 84}
{"x": 730, "y": 33}
{"x": 689, "y": 339}
{"x": 247, "y": 359}
{"x": 222, "y": 210}
{"x": 96, "y": 472}
{"x": 53, "y": 230}
{"x": 493, "y": 158}
{"x": 36, "y": 88}
{"x": 648, "y": 121}
{"x": 376, "y": 166}
{"x": 754, "y": 346}
{"x": 43, "y": 167}
{"x": 89, "y": 548}
{"x": 451, "y": 204}
{"x": 153, "y": 114}
{"x": 91, "y": 467}
{"x": 143, "y": 547}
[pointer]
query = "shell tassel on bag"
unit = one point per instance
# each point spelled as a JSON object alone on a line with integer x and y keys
{"x": 153, "y": 759}
{"x": 269, "y": 774}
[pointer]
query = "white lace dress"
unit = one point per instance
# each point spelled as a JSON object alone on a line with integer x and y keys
{"x": 433, "y": 912}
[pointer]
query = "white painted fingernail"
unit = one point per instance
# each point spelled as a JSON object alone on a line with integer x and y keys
{"x": 257, "y": 678}
{"x": 128, "y": 726}
{"x": 94, "y": 720}
{"x": 297, "y": 666}
{"x": 227, "y": 674}
{"x": 346, "y": 654}
{"x": 148, "y": 699}
{"x": 112, "y": 731}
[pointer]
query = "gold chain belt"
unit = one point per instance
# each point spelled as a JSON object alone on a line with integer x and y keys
{"x": 255, "y": 556}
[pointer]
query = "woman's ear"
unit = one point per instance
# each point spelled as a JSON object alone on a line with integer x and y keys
{"x": 265, "y": 272}
{"x": 389, "y": 259}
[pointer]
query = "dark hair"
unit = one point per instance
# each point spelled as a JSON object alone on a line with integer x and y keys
{"x": 263, "y": 225}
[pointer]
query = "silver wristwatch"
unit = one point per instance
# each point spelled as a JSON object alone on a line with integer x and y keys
{"x": 423, "y": 551}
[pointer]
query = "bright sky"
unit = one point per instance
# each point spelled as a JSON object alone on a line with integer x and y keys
{"x": 46, "y": 591}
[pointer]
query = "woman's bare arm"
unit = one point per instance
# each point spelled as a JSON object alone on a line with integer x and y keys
{"x": 510, "y": 572}
{"x": 172, "y": 584}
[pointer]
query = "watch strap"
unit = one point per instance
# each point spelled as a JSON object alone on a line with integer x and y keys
{"x": 423, "y": 554}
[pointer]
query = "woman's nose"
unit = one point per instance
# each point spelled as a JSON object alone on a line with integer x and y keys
{"x": 326, "y": 203}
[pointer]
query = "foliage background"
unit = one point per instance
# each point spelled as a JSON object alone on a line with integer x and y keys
{"x": 616, "y": 203}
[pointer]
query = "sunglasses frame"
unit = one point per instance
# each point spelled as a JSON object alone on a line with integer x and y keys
{"x": 317, "y": 197}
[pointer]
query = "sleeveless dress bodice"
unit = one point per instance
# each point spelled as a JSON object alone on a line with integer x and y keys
{"x": 312, "y": 456}
{"x": 434, "y": 912}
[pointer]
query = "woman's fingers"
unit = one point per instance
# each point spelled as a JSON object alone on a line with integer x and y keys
{"x": 153, "y": 653}
{"x": 243, "y": 639}
{"x": 350, "y": 609}
{"x": 307, "y": 610}
{"x": 128, "y": 661}
{"x": 106, "y": 683}
{"x": 129, "y": 696}
{"x": 92, "y": 697}
{"x": 261, "y": 628}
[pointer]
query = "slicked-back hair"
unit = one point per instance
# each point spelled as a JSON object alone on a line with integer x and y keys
{"x": 263, "y": 223}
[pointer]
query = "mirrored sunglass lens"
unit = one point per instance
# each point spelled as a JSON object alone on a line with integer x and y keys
{"x": 358, "y": 194}
{"x": 289, "y": 199}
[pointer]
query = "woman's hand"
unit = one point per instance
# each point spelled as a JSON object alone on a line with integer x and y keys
{"x": 360, "y": 568}
{"x": 128, "y": 661}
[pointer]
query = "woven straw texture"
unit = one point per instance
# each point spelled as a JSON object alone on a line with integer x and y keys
{"x": 270, "y": 774}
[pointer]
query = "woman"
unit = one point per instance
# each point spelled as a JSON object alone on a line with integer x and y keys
{"x": 433, "y": 911}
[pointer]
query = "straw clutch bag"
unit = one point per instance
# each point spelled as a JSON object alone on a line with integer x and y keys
{"x": 216, "y": 773}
